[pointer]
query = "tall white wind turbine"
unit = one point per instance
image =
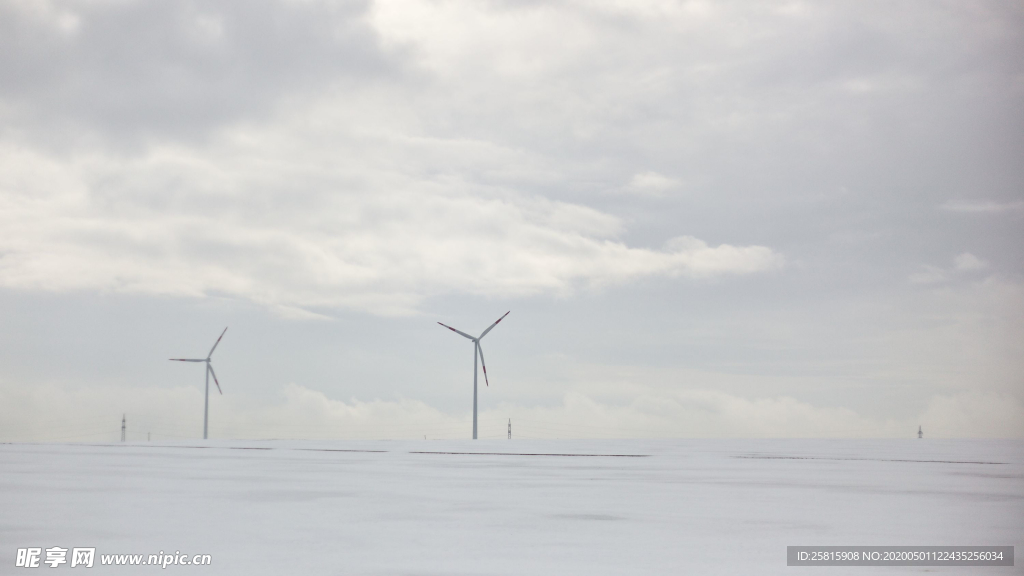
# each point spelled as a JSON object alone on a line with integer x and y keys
{"x": 477, "y": 351}
{"x": 209, "y": 371}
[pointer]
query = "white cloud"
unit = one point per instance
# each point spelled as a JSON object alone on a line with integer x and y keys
{"x": 315, "y": 232}
{"x": 965, "y": 262}
{"x": 650, "y": 184}
{"x": 52, "y": 413}
{"x": 697, "y": 413}
{"x": 968, "y": 261}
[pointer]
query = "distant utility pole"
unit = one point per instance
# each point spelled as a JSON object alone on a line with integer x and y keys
{"x": 920, "y": 434}
{"x": 122, "y": 427}
{"x": 147, "y": 436}
{"x": 509, "y": 428}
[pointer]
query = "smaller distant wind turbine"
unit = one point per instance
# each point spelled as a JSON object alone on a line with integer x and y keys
{"x": 477, "y": 351}
{"x": 209, "y": 371}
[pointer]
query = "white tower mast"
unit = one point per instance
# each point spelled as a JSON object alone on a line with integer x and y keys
{"x": 477, "y": 351}
{"x": 209, "y": 371}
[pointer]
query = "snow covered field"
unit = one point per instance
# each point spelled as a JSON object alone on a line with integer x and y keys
{"x": 414, "y": 507}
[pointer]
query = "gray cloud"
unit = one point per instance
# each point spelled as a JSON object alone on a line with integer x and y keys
{"x": 156, "y": 69}
{"x": 727, "y": 199}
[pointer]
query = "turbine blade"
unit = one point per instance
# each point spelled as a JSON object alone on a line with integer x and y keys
{"x": 217, "y": 342}
{"x": 482, "y": 363}
{"x": 210, "y": 368}
{"x": 188, "y": 359}
{"x": 457, "y": 331}
{"x": 491, "y": 327}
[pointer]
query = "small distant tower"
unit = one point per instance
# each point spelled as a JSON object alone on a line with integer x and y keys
{"x": 920, "y": 434}
{"x": 122, "y": 427}
{"x": 509, "y": 428}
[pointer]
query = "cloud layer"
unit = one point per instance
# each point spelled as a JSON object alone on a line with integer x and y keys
{"x": 218, "y": 221}
{"x": 816, "y": 206}
{"x": 298, "y": 412}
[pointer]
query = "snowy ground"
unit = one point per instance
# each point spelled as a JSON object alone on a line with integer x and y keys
{"x": 686, "y": 507}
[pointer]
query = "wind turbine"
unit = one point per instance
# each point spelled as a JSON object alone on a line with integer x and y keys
{"x": 477, "y": 351}
{"x": 209, "y": 370}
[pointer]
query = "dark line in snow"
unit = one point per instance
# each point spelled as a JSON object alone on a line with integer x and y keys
{"x": 336, "y": 450}
{"x": 139, "y": 445}
{"x": 864, "y": 459}
{"x": 538, "y": 454}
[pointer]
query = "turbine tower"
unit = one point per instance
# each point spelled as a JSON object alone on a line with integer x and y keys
{"x": 209, "y": 370}
{"x": 477, "y": 351}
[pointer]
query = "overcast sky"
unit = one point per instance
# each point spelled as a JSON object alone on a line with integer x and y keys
{"x": 756, "y": 219}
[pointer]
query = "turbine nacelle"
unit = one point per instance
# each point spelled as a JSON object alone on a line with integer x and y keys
{"x": 476, "y": 341}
